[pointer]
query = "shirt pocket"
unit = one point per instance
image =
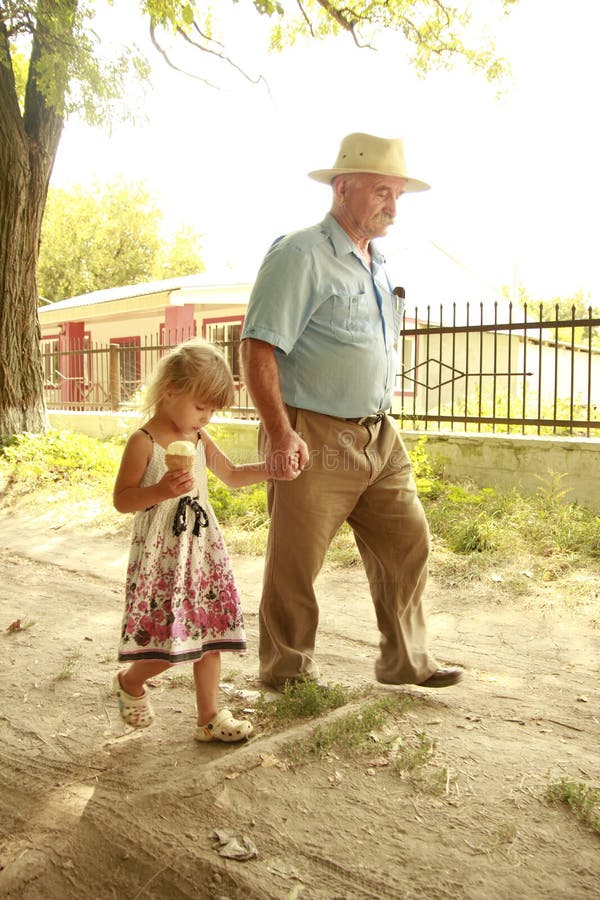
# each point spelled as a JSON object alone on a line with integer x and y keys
{"x": 350, "y": 319}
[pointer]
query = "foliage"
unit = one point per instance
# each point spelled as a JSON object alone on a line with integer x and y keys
{"x": 67, "y": 64}
{"x": 37, "y": 460}
{"x": 482, "y": 404}
{"x": 301, "y": 700}
{"x": 436, "y": 33}
{"x": 471, "y": 520}
{"x": 108, "y": 236}
{"x": 181, "y": 255}
{"x": 558, "y": 308}
{"x": 245, "y": 507}
{"x": 583, "y": 801}
{"x": 352, "y": 731}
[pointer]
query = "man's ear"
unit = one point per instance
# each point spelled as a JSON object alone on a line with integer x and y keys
{"x": 339, "y": 186}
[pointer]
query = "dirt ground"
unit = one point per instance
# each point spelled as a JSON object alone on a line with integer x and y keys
{"x": 89, "y": 809}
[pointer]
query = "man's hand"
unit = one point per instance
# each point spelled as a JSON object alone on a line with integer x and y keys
{"x": 287, "y": 454}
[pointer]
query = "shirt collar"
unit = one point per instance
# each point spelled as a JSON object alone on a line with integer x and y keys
{"x": 342, "y": 242}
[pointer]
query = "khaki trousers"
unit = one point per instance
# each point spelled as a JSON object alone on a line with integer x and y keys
{"x": 360, "y": 474}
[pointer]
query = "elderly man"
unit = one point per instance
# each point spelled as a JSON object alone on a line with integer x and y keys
{"x": 318, "y": 356}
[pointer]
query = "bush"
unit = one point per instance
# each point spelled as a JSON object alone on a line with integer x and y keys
{"x": 37, "y": 460}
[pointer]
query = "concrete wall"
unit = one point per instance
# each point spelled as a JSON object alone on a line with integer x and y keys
{"x": 524, "y": 463}
{"x": 488, "y": 460}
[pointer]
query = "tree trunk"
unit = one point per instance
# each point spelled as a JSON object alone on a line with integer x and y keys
{"x": 28, "y": 145}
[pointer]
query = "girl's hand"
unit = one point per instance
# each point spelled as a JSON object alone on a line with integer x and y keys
{"x": 176, "y": 483}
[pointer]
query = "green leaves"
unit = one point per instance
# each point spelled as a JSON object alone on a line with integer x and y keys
{"x": 106, "y": 236}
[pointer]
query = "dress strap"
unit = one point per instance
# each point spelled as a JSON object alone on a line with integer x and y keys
{"x": 148, "y": 433}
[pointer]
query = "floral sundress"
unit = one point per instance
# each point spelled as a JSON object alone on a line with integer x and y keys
{"x": 180, "y": 596}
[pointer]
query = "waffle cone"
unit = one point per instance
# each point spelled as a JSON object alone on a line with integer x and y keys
{"x": 176, "y": 461}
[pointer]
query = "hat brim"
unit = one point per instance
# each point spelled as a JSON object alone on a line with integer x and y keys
{"x": 326, "y": 176}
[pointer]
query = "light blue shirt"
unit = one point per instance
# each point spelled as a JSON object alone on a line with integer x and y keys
{"x": 333, "y": 322}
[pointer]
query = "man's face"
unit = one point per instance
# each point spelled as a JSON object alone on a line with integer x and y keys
{"x": 369, "y": 202}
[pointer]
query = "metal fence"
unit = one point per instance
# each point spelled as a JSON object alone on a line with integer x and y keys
{"x": 526, "y": 376}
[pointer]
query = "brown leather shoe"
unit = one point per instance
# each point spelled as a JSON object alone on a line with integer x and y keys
{"x": 445, "y": 676}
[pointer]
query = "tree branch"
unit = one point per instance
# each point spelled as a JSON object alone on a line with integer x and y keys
{"x": 171, "y": 64}
{"x": 217, "y": 53}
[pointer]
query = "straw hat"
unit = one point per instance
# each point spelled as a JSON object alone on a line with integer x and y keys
{"x": 367, "y": 153}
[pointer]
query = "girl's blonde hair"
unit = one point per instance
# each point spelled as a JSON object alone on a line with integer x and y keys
{"x": 194, "y": 367}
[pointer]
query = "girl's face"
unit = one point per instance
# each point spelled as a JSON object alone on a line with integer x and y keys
{"x": 187, "y": 412}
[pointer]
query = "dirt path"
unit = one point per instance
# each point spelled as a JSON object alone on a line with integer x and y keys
{"x": 89, "y": 810}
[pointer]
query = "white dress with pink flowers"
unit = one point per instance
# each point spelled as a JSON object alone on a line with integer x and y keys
{"x": 181, "y": 598}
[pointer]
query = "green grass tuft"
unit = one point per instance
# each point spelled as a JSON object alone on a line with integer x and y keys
{"x": 582, "y": 800}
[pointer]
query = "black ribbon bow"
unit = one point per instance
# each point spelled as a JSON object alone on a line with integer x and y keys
{"x": 180, "y": 521}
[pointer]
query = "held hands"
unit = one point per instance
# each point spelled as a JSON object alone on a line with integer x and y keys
{"x": 176, "y": 483}
{"x": 287, "y": 455}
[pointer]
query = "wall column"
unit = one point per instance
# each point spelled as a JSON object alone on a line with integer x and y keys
{"x": 179, "y": 323}
{"x": 70, "y": 360}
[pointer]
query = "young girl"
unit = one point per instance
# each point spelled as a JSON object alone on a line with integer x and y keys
{"x": 182, "y": 604}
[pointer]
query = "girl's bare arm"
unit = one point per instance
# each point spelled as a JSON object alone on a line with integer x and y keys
{"x": 231, "y": 474}
{"x": 128, "y": 496}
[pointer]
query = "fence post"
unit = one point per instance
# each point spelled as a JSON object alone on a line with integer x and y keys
{"x": 114, "y": 375}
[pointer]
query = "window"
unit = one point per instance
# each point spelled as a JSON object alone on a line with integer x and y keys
{"x": 226, "y": 334}
{"x": 129, "y": 366}
{"x": 50, "y": 361}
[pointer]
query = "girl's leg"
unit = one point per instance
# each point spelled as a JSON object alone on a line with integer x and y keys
{"x": 213, "y": 725}
{"x": 207, "y": 674}
{"x": 134, "y": 705}
{"x": 133, "y": 678}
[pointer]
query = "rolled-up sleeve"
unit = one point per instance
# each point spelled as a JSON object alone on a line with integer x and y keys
{"x": 283, "y": 297}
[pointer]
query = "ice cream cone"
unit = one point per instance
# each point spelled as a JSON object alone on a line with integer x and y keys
{"x": 180, "y": 455}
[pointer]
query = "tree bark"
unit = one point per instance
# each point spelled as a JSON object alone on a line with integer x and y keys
{"x": 28, "y": 146}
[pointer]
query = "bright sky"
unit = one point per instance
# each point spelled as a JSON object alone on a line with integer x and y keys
{"x": 515, "y": 181}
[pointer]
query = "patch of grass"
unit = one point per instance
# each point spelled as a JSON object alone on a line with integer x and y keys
{"x": 180, "y": 679}
{"x": 352, "y": 732}
{"x": 432, "y": 781}
{"x": 506, "y": 833}
{"x": 582, "y": 800}
{"x": 230, "y": 676}
{"x": 246, "y": 542}
{"x": 413, "y": 754}
{"x": 245, "y": 507}
{"x": 69, "y": 666}
{"x": 37, "y": 460}
{"x": 301, "y": 700}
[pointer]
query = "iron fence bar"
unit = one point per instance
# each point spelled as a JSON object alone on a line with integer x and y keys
{"x": 589, "y": 371}
{"x": 524, "y": 391}
{"x": 556, "y": 369}
{"x": 572, "y": 392}
{"x": 428, "y": 357}
{"x": 441, "y": 355}
{"x": 540, "y": 382}
{"x": 452, "y": 392}
{"x": 495, "y": 379}
{"x": 480, "y": 399}
{"x": 467, "y": 333}
{"x": 508, "y": 391}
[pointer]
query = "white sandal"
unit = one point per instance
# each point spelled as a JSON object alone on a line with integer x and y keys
{"x": 135, "y": 711}
{"x": 223, "y": 727}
